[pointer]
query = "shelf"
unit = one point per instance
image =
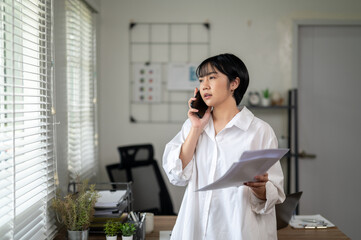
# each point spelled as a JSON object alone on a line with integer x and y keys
{"x": 269, "y": 107}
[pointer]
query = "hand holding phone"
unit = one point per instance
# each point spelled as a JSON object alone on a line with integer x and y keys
{"x": 200, "y": 105}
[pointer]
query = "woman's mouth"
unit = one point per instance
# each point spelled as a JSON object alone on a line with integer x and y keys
{"x": 207, "y": 96}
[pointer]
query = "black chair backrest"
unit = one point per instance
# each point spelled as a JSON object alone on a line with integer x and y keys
{"x": 138, "y": 165}
{"x": 116, "y": 174}
{"x": 285, "y": 210}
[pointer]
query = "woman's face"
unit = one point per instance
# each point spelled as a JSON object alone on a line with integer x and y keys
{"x": 214, "y": 87}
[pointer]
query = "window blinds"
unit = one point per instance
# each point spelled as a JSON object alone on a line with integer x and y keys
{"x": 26, "y": 121}
{"x": 80, "y": 51}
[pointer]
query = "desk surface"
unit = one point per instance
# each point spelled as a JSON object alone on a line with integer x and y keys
{"x": 163, "y": 223}
{"x": 166, "y": 223}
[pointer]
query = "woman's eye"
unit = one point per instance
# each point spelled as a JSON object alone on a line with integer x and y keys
{"x": 200, "y": 80}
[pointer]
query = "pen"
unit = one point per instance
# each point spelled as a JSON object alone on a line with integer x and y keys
{"x": 143, "y": 217}
{"x": 313, "y": 226}
{"x": 309, "y": 227}
{"x": 133, "y": 216}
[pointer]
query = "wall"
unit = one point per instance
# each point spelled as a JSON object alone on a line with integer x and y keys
{"x": 259, "y": 32}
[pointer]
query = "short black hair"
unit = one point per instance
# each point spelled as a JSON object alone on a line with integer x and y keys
{"x": 232, "y": 67}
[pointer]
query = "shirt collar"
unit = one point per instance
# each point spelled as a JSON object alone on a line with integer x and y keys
{"x": 242, "y": 120}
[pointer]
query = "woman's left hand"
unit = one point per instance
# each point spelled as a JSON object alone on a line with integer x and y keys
{"x": 259, "y": 186}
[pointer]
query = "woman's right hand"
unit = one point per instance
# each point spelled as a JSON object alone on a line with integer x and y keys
{"x": 197, "y": 122}
{"x": 190, "y": 144}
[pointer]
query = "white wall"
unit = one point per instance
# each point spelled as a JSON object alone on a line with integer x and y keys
{"x": 259, "y": 32}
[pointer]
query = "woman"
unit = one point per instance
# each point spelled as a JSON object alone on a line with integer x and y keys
{"x": 205, "y": 149}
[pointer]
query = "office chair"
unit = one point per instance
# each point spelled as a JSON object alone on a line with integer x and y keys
{"x": 137, "y": 164}
{"x": 285, "y": 210}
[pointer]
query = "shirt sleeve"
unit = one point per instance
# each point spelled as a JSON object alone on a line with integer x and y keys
{"x": 274, "y": 187}
{"x": 172, "y": 164}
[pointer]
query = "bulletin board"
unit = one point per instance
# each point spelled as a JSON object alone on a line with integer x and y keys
{"x": 161, "y": 55}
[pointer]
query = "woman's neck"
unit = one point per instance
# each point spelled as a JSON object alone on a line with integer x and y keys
{"x": 222, "y": 115}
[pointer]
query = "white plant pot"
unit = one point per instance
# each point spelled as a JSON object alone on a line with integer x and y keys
{"x": 112, "y": 237}
{"x": 266, "y": 102}
{"x": 78, "y": 235}
{"x": 127, "y": 237}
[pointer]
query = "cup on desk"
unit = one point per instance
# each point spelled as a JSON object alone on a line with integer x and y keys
{"x": 149, "y": 222}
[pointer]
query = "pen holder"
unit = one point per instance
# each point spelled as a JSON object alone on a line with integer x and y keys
{"x": 140, "y": 228}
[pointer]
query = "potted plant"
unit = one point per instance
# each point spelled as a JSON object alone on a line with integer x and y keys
{"x": 266, "y": 97}
{"x": 76, "y": 210}
{"x": 127, "y": 229}
{"x": 112, "y": 229}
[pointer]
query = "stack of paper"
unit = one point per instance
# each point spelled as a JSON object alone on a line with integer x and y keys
{"x": 310, "y": 221}
{"x": 110, "y": 203}
{"x": 251, "y": 164}
{"x": 109, "y": 206}
{"x": 110, "y": 199}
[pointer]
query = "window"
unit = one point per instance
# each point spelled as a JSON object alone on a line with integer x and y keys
{"x": 26, "y": 120}
{"x": 81, "y": 82}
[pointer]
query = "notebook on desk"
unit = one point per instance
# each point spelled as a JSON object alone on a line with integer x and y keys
{"x": 285, "y": 210}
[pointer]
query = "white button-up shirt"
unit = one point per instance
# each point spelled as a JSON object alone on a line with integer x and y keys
{"x": 229, "y": 213}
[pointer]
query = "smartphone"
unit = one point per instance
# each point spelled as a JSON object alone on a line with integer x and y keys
{"x": 200, "y": 105}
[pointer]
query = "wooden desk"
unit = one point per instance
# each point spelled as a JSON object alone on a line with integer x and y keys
{"x": 164, "y": 223}
{"x": 161, "y": 223}
{"x": 302, "y": 234}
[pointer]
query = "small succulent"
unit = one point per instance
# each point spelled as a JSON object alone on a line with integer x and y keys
{"x": 127, "y": 229}
{"x": 265, "y": 93}
{"x": 112, "y": 228}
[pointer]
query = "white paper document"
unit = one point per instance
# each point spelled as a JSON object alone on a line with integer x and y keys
{"x": 251, "y": 164}
{"x": 165, "y": 235}
{"x": 310, "y": 221}
{"x": 110, "y": 199}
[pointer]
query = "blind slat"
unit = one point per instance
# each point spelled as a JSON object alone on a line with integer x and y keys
{"x": 23, "y": 79}
{"x": 40, "y": 49}
{"x": 33, "y": 155}
{"x": 31, "y": 149}
{"x": 10, "y": 129}
{"x": 23, "y": 119}
{"x": 41, "y": 111}
{"x": 23, "y": 87}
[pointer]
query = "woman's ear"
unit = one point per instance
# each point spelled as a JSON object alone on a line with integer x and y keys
{"x": 235, "y": 83}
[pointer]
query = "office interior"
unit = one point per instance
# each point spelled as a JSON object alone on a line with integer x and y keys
{"x": 265, "y": 34}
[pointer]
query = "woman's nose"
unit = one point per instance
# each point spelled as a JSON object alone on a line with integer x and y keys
{"x": 205, "y": 84}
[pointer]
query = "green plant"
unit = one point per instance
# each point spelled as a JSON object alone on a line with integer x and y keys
{"x": 265, "y": 93}
{"x": 112, "y": 228}
{"x": 76, "y": 210}
{"x": 127, "y": 229}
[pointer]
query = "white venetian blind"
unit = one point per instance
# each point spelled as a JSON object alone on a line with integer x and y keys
{"x": 80, "y": 52}
{"x": 26, "y": 121}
